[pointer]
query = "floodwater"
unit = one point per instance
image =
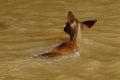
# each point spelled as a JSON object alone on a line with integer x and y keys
{"x": 31, "y": 27}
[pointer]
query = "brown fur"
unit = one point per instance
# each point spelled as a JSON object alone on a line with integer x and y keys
{"x": 63, "y": 49}
{"x": 73, "y": 28}
{"x": 70, "y": 19}
{"x": 67, "y": 48}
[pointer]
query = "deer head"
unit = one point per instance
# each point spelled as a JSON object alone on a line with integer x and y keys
{"x": 72, "y": 22}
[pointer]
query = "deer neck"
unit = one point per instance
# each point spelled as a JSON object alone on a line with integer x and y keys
{"x": 77, "y": 34}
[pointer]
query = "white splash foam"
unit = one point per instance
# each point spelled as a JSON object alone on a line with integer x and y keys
{"x": 76, "y": 54}
{"x": 37, "y": 55}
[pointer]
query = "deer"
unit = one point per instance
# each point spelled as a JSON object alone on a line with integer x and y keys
{"x": 73, "y": 28}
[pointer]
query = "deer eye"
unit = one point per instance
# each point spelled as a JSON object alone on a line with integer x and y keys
{"x": 67, "y": 24}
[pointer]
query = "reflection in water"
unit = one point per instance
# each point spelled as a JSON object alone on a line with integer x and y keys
{"x": 29, "y": 27}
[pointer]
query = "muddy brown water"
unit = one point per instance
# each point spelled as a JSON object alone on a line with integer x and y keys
{"x": 31, "y": 27}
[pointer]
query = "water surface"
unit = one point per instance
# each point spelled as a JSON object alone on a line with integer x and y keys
{"x": 30, "y": 27}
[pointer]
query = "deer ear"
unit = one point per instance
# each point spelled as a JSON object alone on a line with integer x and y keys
{"x": 70, "y": 17}
{"x": 89, "y": 23}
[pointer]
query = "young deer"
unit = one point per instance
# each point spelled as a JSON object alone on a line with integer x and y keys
{"x": 73, "y": 28}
